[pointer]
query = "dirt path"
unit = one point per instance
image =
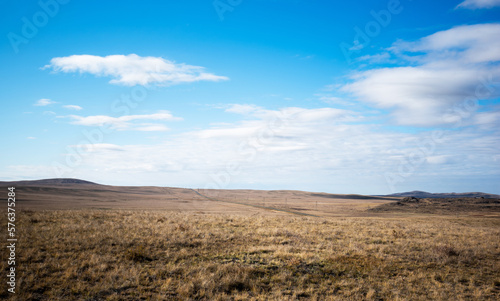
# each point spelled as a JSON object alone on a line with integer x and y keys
{"x": 255, "y": 206}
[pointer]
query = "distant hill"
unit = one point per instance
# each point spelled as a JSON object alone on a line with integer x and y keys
{"x": 47, "y": 182}
{"x": 423, "y": 194}
{"x": 69, "y": 182}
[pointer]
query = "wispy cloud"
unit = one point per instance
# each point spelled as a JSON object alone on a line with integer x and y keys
{"x": 44, "y": 102}
{"x": 126, "y": 122}
{"x": 151, "y": 128}
{"x": 475, "y": 4}
{"x": 243, "y": 109}
{"x": 131, "y": 70}
{"x": 96, "y": 147}
{"x": 319, "y": 114}
{"x": 378, "y": 58}
{"x": 73, "y": 107}
{"x": 467, "y": 44}
{"x": 304, "y": 57}
{"x": 260, "y": 118}
{"x": 333, "y": 100}
{"x": 436, "y": 73}
{"x": 294, "y": 148}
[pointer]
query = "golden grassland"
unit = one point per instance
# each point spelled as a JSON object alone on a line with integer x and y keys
{"x": 87, "y": 196}
{"x": 164, "y": 255}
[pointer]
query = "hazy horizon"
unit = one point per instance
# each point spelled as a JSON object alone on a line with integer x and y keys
{"x": 242, "y": 188}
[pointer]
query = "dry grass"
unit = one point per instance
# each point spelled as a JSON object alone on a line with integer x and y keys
{"x": 99, "y": 197}
{"x": 161, "y": 255}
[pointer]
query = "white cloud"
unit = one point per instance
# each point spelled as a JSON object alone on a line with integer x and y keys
{"x": 98, "y": 147}
{"x": 333, "y": 100}
{"x": 383, "y": 57}
{"x": 330, "y": 115}
{"x": 296, "y": 148}
{"x": 126, "y": 122}
{"x": 487, "y": 118}
{"x": 44, "y": 102}
{"x": 131, "y": 70}
{"x": 73, "y": 107}
{"x": 304, "y": 115}
{"x": 468, "y": 44}
{"x": 439, "y": 159}
{"x": 152, "y": 128}
{"x": 243, "y": 109}
{"x": 26, "y": 172}
{"x": 454, "y": 67}
{"x": 31, "y": 138}
{"x": 474, "y": 4}
{"x": 291, "y": 140}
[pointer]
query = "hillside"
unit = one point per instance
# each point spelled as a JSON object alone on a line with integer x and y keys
{"x": 488, "y": 207}
{"x": 424, "y": 194}
{"x": 56, "y": 194}
{"x": 47, "y": 182}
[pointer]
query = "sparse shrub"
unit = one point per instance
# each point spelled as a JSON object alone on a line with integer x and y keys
{"x": 181, "y": 227}
{"x": 292, "y": 262}
{"x": 410, "y": 199}
{"x": 137, "y": 254}
{"x": 235, "y": 285}
{"x": 447, "y": 251}
{"x": 398, "y": 234}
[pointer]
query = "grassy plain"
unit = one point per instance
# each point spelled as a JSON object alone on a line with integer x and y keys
{"x": 81, "y": 241}
{"x": 115, "y": 254}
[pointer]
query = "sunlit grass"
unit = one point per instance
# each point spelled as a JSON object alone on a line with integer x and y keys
{"x": 160, "y": 255}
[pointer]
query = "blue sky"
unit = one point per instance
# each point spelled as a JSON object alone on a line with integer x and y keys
{"x": 368, "y": 97}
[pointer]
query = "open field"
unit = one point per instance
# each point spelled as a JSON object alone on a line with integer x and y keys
{"x": 101, "y": 242}
{"x": 164, "y": 255}
{"x": 56, "y": 196}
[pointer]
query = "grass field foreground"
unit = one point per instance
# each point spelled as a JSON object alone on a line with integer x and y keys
{"x": 162, "y": 255}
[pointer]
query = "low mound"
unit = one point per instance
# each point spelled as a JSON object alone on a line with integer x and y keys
{"x": 424, "y": 194}
{"x": 442, "y": 205}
